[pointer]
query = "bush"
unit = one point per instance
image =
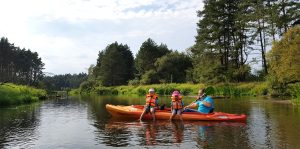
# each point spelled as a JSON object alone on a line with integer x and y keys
{"x": 87, "y": 86}
{"x": 294, "y": 90}
{"x": 233, "y": 89}
{"x": 11, "y": 94}
{"x": 134, "y": 82}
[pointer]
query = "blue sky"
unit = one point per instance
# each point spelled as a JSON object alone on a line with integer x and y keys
{"x": 68, "y": 34}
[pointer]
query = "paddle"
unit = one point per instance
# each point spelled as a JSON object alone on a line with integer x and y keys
{"x": 199, "y": 98}
{"x": 194, "y": 101}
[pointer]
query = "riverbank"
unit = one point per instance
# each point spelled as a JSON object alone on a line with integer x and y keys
{"x": 229, "y": 89}
{"x": 217, "y": 90}
{"x": 11, "y": 94}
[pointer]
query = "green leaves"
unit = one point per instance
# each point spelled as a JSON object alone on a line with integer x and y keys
{"x": 19, "y": 65}
{"x": 172, "y": 67}
{"x": 149, "y": 52}
{"x": 284, "y": 58}
{"x": 115, "y": 65}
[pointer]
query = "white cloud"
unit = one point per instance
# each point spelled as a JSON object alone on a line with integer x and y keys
{"x": 68, "y": 34}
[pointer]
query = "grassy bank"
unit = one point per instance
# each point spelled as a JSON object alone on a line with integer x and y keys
{"x": 227, "y": 90}
{"x": 11, "y": 94}
{"x": 294, "y": 90}
{"x": 232, "y": 89}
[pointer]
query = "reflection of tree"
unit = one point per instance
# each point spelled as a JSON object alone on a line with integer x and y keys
{"x": 117, "y": 135}
{"x": 109, "y": 132}
{"x": 274, "y": 125}
{"x": 18, "y": 126}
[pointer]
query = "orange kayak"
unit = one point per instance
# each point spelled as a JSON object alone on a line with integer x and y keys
{"x": 134, "y": 112}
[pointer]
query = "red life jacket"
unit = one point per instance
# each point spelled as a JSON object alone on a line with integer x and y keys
{"x": 177, "y": 102}
{"x": 150, "y": 100}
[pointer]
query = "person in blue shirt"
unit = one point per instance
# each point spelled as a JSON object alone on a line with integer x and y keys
{"x": 205, "y": 104}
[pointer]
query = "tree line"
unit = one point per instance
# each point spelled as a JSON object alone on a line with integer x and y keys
{"x": 230, "y": 31}
{"x": 20, "y": 66}
{"x": 153, "y": 64}
{"x": 62, "y": 81}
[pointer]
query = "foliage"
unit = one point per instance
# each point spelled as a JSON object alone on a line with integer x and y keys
{"x": 150, "y": 77}
{"x": 284, "y": 61}
{"x": 134, "y": 82}
{"x": 19, "y": 65}
{"x": 294, "y": 90}
{"x": 148, "y": 54}
{"x": 11, "y": 94}
{"x": 228, "y": 31}
{"x": 220, "y": 52}
{"x": 88, "y": 86}
{"x": 169, "y": 68}
{"x": 115, "y": 65}
{"x": 62, "y": 82}
{"x": 172, "y": 67}
{"x": 232, "y": 89}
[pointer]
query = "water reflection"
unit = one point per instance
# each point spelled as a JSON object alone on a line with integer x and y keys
{"x": 178, "y": 128}
{"x": 164, "y": 133}
{"x": 18, "y": 126}
{"x": 83, "y": 122}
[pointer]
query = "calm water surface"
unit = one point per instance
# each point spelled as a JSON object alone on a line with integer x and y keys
{"x": 83, "y": 122}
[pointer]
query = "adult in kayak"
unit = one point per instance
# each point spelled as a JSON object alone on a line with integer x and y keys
{"x": 176, "y": 105}
{"x": 205, "y": 103}
{"x": 151, "y": 103}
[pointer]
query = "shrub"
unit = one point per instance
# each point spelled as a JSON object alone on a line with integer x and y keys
{"x": 11, "y": 94}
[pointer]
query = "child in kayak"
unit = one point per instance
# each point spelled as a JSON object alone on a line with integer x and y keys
{"x": 151, "y": 103}
{"x": 176, "y": 105}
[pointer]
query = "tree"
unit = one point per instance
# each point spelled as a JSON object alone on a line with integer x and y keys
{"x": 271, "y": 18}
{"x": 19, "y": 66}
{"x": 172, "y": 67}
{"x": 289, "y": 11}
{"x": 115, "y": 65}
{"x": 150, "y": 77}
{"x": 6, "y": 53}
{"x": 284, "y": 59}
{"x": 148, "y": 54}
{"x": 60, "y": 82}
{"x": 222, "y": 42}
{"x": 228, "y": 31}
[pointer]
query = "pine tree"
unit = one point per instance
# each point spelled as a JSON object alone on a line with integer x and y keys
{"x": 115, "y": 65}
{"x": 147, "y": 55}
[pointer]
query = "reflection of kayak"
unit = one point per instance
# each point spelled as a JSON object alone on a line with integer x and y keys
{"x": 134, "y": 112}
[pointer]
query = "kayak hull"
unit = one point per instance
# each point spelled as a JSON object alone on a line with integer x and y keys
{"x": 134, "y": 112}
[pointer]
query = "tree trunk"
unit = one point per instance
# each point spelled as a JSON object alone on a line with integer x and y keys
{"x": 263, "y": 56}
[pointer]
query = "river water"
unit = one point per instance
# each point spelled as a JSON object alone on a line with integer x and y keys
{"x": 83, "y": 122}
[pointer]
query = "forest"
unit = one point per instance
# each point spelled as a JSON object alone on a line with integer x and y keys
{"x": 237, "y": 42}
{"x": 233, "y": 39}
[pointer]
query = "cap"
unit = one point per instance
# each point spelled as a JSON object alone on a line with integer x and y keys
{"x": 151, "y": 90}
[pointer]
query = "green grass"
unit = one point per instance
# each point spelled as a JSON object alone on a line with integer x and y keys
{"x": 11, "y": 94}
{"x": 231, "y": 89}
{"x": 294, "y": 90}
